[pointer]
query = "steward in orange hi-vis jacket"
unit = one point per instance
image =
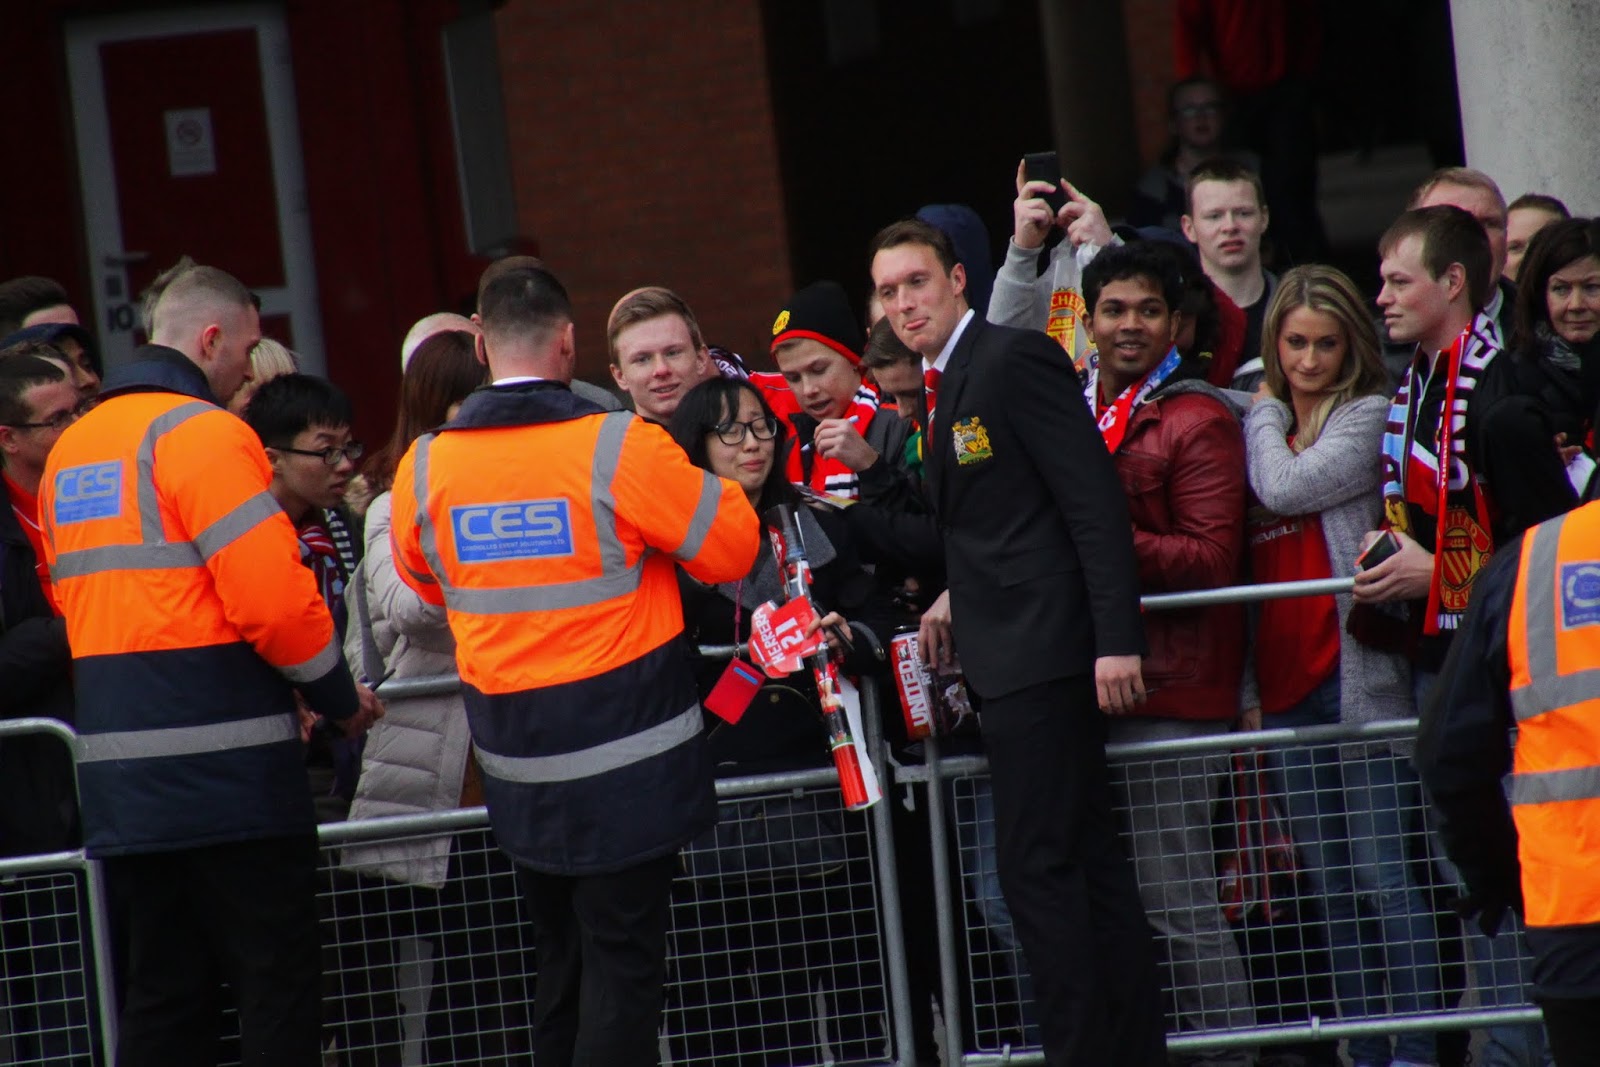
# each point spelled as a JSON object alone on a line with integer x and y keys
{"x": 190, "y": 617}
{"x": 551, "y": 532}
{"x": 192, "y": 623}
{"x": 1527, "y": 658}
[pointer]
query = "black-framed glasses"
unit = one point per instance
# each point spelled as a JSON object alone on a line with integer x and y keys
{"x": 60, "y": 420}
{"x": 331, "y": 455}
{"x": 732, "y": 433}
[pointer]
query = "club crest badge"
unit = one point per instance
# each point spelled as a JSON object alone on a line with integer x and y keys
{"x": 972, "y": 442}
{"x": 780, "y": 322}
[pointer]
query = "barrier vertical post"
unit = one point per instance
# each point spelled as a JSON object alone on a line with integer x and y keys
{"x": 894, "y": 936}
{"x": 100, "y": 949}
{"x": 944, "y": 904}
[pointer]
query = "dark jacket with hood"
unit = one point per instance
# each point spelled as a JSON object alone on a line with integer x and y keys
{"x": 1528, "y": 396}
{"x": 38, "y": 795}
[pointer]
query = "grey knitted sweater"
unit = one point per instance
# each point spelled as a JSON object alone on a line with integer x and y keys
{"x": 1338, "y": 479}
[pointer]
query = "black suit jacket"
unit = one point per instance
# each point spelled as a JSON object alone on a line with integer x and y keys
{"x": 1038, "y": 544}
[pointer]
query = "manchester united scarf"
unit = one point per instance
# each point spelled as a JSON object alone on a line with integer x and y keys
{"x": 1114, "y": 417}
{"x": 1436, "y": 477}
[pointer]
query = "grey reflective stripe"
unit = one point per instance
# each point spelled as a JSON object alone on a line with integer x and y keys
{"x": 188, "y": 740}
{"x": 149, "y": 498}
{"x": 705, "y": 513}
{"x": 1545, "y": 787}
{"x": 1547, "y": 689}
{"x": 154, "y": 551}
{"x": 427, "y": 537}
{"x": 615, "y": 579}
{"x": 236, "y": 523}
{"x": 607, "y": 458}
{"x": 315, "y": 667}
{"x": 588, "y": 762}
{"x": 520, "y": 598}
{"x": 174, "y": 555}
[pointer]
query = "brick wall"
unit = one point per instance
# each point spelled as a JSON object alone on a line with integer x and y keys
{"x": 643, "y": 152}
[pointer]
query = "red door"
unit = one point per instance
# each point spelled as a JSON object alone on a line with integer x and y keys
{"x": 187, "y": 146}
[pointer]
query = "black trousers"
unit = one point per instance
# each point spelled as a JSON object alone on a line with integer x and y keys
{"x": 244, "y": 914}
{"x": 1067, "y": 879}
{"x": 1574, "y": 1029}
{"x": 600, "y": 942}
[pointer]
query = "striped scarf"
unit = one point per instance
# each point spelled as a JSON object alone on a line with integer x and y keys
{"x": 823, "y": 473}
{"x": 328, "y": 549}
{"x": 1448, "y": 497}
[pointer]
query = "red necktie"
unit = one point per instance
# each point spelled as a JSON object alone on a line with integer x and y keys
{"x": 930, "y": 383}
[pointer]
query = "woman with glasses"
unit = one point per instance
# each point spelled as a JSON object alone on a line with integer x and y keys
{"x": 734, "y": 926}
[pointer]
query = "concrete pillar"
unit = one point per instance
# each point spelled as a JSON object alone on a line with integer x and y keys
{"x": 1529, "y": 74}
{"x": 1086, "y": 53}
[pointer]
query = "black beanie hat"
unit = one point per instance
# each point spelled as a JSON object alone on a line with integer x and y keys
{"x": 821, "y": 312}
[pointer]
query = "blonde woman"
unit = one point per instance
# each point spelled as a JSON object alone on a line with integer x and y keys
{"x": 1312, "y": 447}
{"x": 268, "y": 360}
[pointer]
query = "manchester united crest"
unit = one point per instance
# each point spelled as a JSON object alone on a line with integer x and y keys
{"x": 972, "y": 442}
{"x": 780, "y": 322}
{"x": 1465, "y": 549}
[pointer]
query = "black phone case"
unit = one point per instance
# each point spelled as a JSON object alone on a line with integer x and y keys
{"x": 1045, "y": 167}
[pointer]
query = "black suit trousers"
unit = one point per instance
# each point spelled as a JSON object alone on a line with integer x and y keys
{"x": 1067, "y": 879}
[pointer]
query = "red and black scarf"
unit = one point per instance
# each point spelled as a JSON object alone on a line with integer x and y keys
{"x": 1436, "y": 477}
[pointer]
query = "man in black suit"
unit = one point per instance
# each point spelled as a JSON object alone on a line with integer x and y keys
{"x": 1043, "y": 599}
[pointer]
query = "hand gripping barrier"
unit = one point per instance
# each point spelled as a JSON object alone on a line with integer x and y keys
{"x": 787, "y": 937}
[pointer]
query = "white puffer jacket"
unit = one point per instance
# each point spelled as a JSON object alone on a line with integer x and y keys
{"x": 416, "y": 755}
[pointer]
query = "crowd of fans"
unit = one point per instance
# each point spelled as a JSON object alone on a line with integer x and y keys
{"x": 1264, "y": 427}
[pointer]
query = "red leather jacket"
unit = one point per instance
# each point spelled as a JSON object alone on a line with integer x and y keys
{"x": 1183, "y": 469}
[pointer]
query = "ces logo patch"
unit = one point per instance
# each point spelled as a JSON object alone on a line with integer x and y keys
{"x": 515, "y": 529}
{"x": 93, "y": 491}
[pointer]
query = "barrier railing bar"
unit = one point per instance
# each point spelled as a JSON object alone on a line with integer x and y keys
{"x": 1245, "y": 594}
{"x": 1315, "y": 1029}
{"x": 43, "y": 862}
{"x": 40, "y": 725}
{"x": 437, "y": 685}
{"x": 1331, "y": 1029}
{"x": 1341, "y": 733}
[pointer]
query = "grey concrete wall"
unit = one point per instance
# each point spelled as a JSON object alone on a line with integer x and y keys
{"x": 1529, "y": 73}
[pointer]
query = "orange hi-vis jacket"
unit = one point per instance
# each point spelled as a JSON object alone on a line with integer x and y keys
{"x": 551, "y": 532}
{"x": 1553, "y": 643}
{"x": 190, "y": 617}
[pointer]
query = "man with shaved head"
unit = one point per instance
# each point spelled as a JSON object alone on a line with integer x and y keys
{"x": 499, "y": 268}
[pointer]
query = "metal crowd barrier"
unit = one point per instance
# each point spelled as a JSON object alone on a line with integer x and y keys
{"x": 787, "y": 938}
{"x": 1355, "y": 940}
{"x": 55, "y": 957}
